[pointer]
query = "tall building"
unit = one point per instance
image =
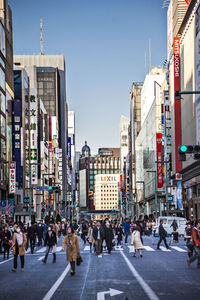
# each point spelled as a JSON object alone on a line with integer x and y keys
{"x": 49, "y": 80}
{"x": 106, "y": 196}
{"x": 124, "y": 139}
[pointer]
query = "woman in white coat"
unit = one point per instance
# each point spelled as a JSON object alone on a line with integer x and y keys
{"x": 136, "y": 240}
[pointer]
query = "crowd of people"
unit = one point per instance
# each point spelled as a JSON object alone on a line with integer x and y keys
{"x": 101, "y": 235}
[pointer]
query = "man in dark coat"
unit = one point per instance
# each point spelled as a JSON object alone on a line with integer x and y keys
{"x": 50, "y": 242}
{"x": 109, "y": 236}
{"x": 31, "y": 233}
{"x": 174, "y": 225}
{"x": 39, "y": 234}
{"x": 162, "y": 234}
{"x": 98, "y": 235}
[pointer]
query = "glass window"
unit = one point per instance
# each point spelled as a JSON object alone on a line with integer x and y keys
{"x": 2, "y": 62}
{"x": 3, "y": 148}
{"x": 2, "y": 125}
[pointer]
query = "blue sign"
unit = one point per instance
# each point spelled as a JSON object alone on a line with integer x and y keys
{"x": 3, "y": 203}
{"x": 17, "y": 139}
{"x": 26, "y": 200}
{"x": 69, "y": 146}
{"x": 41, "y": 188}
{"x": 179, "y": 195}
{"x": 170, "y": 198}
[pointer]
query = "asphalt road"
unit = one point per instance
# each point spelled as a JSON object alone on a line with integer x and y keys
{"x": 160, "y": 275}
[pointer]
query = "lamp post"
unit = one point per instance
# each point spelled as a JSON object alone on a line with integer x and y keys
{"x": 143, "y": 202}
{"x": 156, "y": 196}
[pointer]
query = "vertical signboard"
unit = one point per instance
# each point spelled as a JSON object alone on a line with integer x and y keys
{"x": 177, "y": 103}
{"x": 69, "y": 147}
{"x": 17, "y": 139}
{"x": 159, "y": 160}
{"x": 197, "y": 70}
{"x": 179, "y": 195}
{"x": 12, "y": 177}
{"x": 33, "y": 135}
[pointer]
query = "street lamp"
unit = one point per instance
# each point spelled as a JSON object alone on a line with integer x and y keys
{"x": 156, "y": 196}
{"x": 143, "y": 202}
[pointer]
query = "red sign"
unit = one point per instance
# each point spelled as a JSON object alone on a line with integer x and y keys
{"x": 120, "y": 182}
{"x": 159, "y": 160}
{"x": 177, "y": 103}
{"x": 187, "y": 2}
{"x": 12, "y": 177}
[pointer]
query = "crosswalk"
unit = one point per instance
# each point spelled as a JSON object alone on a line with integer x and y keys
{"x": 148, "y": 248}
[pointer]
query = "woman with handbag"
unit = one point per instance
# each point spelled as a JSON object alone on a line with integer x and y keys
{"x": 73, "y": 249}
{"x": 7, "y": 242}
{"x": 18, "y": 244}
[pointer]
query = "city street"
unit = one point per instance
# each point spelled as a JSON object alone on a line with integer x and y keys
{"x": 158, "y": 275}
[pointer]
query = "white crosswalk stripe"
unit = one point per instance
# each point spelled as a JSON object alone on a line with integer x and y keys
{"x": 41, "y": 257}
{"x": 119, "y": 248}
{"x": 147, "y": 248}
{"x": 58, "y": 249}
{"x": 165, "y": 249}
{"x": 87, "y": 248}
{"x": 178, "y": 249}
{"x": 41, "y": 250}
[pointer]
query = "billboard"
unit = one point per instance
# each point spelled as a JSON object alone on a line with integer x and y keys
{"x": 17, "y": 139}
{"x": 12, "y": 177}
{"x": 83, "y": 191}
{"x": 159, "y": 160}
{"x": 107, "y": 178}
{"x": 177, "y": 103}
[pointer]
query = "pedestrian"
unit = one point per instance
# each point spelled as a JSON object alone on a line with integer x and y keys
{"x": 1, "y": 239}
{"x": 40, "y": 234}
{"x": 136, "y": 240}
{"x": 73, "y": 249}
{"x": 90, "y": 236}
{"x": 196, "y": 242}
{"x": 31, "y": 233}
{"x": 126, "y": 230}
{"x": 109, "y": 236}
{"x": 50, "y": 243}
{"x": 162, "y": 233}
{"x": 18, "y": 245}
{"x": 188, "y": 239}
{"x": 7, "y": 242}
{"x": 84, "y": 231}
{"x": 98, "y": 235}
{"x": 63, "y": 228}
{"x": 174, "y": 225}
{"x": 119, "y": 234}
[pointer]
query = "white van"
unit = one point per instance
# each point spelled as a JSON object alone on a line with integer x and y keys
{"x": 167, "y": 222}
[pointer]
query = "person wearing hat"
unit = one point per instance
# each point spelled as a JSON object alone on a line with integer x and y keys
{"x": 50, "y": 243}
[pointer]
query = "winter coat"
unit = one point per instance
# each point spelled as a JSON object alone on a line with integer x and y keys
{"x": 109, "y": 236}
{"x": 195, "y": 237}
{"x": 95, "y": 233}
{"x": 126, "y": 227}
{"x": 6, "y": 238}
{"x": 119, "y": 233}
{"x": 174, "y": 225}
{"x": 71, "y": 254}
{"x": 162, "y": 231}
{"x": 136, "y": 240}
{"x": 39, "y": 231}
{"x": 22, "y": 250}
{"x": 90, "y": 235}
{"x": 31, "y": 232}
{"x": 50, "y": 240}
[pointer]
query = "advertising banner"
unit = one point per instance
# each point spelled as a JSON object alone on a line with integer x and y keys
{"x": 177, "y": 103}
{"x": 69, "y": 147}
{"x": 159, "y": 160}
{"x": 12, "y": 177}
{"x": 179, "y": 195}
{"x": 197, "y": 71}
{"x": 17, "y": 139}
{"x": 33, "y": 135}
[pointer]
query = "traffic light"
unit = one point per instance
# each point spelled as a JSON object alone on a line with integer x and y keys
{"x": 55, "y": 188}
{"x": 189, "y": 149}
{"x": 50, "y": 188}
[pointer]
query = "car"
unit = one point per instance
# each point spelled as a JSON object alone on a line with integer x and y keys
{"x": 167, "y": 222}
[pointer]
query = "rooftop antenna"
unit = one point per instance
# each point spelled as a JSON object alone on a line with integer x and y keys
{"x": 150, "y": 55}
{"x": 41, "y": 38}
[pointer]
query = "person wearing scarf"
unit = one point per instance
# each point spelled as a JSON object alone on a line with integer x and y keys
{"x": 18, "y": 244}
{"x": 73, "y": 249}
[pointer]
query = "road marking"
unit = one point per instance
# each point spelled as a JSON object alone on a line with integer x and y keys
{"x": 100, "y": 256}
{"x": 3, "y": 262}
{"x": 51, "y": 292}
{"x": 111, "y": 292}
{"x": 41, "y": 250}
{"x": 148, "y": 248}
{"x": 59, "y": 249}
{"x": 87, "y": 248}
{"x": 165, "y": 249}
{"x": 41, "y": 257}
{"x": 149, "y": 292}
{"x": 178, "y": 249}
{"x": 119, "y": 249}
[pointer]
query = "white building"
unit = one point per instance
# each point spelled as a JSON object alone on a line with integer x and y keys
{"x": 106, "y": 191}
{"x": 151, "y": 88}
{"x": 124, "y": 140}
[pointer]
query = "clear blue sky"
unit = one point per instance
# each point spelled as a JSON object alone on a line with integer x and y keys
{"x": 104, "y": 43}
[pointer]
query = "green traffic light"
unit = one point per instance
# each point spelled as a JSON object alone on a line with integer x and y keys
{"x": 183, "y": 148}
{"x": 50, "y": 188}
